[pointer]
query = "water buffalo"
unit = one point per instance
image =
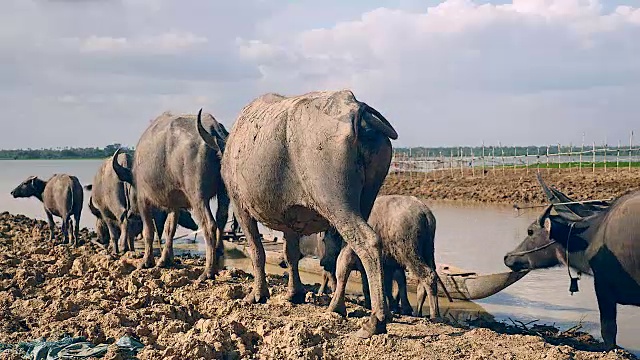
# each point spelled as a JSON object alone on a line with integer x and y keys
{"x": 115, "y": 207}
{"x": 301, "y": 165}
{"x": 112, "y": 200}
{"x": 62, "y": 196}
{"x": 173, "y": 169}
{"x": 407, "y": 228}
{"x": 605, "y": 245}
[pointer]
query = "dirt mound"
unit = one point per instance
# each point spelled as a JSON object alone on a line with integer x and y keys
{"x": 512, "y": 187}
{"x": 49, "y": 290}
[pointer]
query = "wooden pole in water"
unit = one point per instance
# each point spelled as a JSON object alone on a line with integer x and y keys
{"x": 570, "y": 155}
{"x": 618, "y": 158}
{"x": 473, "y": 164}
{"x": 483, "y": 159}
{"x": 558, "y": 156}
{"x": 526, "y": 159}
{"x": 493, "y": 159}
{"x": 548, "y": 168}
{"x": 515, "y": 158}
{"x": 461, "y": 162}
{"x": 630, "y": 147}
{"x": 502, "y": 157}
{"x": 451, "y": 163}
{"x": 581, "y": 151}
{"x": 538, "y": 159}
{"x": 605, "y": 154}
{"x": 442, "y": 161}
{"x": 593, "y": 166}
{"x": 410, "y": 162}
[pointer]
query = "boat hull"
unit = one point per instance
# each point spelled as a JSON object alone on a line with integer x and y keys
{"x": 459, "y": 283}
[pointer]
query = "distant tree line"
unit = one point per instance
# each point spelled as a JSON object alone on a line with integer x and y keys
{"x": 62, "y": 153}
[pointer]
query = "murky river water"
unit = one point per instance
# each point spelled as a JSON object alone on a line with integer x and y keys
{"x": 473, "y": 237}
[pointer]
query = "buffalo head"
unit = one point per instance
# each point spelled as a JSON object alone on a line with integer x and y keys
{"x": 548, "y": 241}
{"x": 32, "y": 186}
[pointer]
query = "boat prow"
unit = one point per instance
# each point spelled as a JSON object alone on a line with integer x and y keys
{"x": 465, "y": 285}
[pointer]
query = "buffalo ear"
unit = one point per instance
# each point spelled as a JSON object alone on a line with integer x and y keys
{"x": 547, "y": 225}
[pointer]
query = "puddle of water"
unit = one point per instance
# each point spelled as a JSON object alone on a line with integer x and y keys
{"x": 472, "y": 237}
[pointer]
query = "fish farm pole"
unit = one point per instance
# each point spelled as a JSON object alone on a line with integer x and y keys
{"x": 605, "y": 154}
{"x": 493, "y": 159}
{"x": 630, "y": 146}
{"x": 570, "y": 155}
{"x": 581, "y": 151}
{"x": 461, "y": 162}
{"x": 548, "y": 169}
{"x": 618, "y": 158}
{"x": 558, "y": 156}
{"x": 483, "y": 159}
{"x": 593, "y": 166}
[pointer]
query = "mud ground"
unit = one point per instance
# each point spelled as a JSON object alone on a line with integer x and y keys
{"x": 512, "y": 187}
{"x": 50, "y": 290}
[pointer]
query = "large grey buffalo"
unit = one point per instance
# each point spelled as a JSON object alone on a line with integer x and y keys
{"x": 605, "y": 244}
{"x": 174, "y": 169}
{"x": 114, "y": 204}
{"x": 407, "y": 228}
{"x": 301, "y": 165}
{"x": 61, "y": 196}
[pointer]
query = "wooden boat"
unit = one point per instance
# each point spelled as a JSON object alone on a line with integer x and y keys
{"x": 459, "y": 283}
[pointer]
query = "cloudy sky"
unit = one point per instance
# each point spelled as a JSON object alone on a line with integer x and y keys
{"x": 458, "y": 72}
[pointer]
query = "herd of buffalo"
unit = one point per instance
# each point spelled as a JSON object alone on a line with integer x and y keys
{"x": 309, "y": 164}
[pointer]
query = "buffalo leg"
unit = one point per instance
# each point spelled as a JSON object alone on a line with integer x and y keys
{"x": 428, "y": 283}
{"x": 147, "y": 235}
{"x": 76, "y": 228}
{"x": 344, "y": 266}
{"x": 402, "y": 298}
{"x": 367, "y": 245}
{"x": 260, "y": 292}
{"x": 292, "y": 254}
{"x": 159, "y": 220}
{"x": 124, "y": 234}
{"x": 166, "y": 259}
{"x": 608, "y": 312}
{"x": 203, "y": 213}
{"x": 222, "y": 215}
{"x": 65, "y": 230}
{"x": 365, "y": 288}
{"x": 328, "y": 283}
{"x": 114, "y": 234}
{"x": 52, "y": 224}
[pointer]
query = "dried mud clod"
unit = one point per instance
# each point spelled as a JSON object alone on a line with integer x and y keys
{"x": 49, "y": 290}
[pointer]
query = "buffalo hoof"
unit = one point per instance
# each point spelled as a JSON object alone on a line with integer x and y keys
{"x": 256, "y": 298}
{"x": 207, "y": 275}
{"x": 165, "y": 263}
{"x": 406, "y": 310}
{"x": 297, "y": 297}
{"x": 338, "y": 308}
{"x": 372, "y": 327}
{"x": 147, "y": 263}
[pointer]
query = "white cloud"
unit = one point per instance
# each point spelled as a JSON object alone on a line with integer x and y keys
{"x": 452, "y": 72}
{"x": 484, "y": 61}
{"x": 171, "y": 42}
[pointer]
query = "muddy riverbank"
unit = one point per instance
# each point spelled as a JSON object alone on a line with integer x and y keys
{"x": 512, "y": 187}
{"x": 48, "y": 291}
